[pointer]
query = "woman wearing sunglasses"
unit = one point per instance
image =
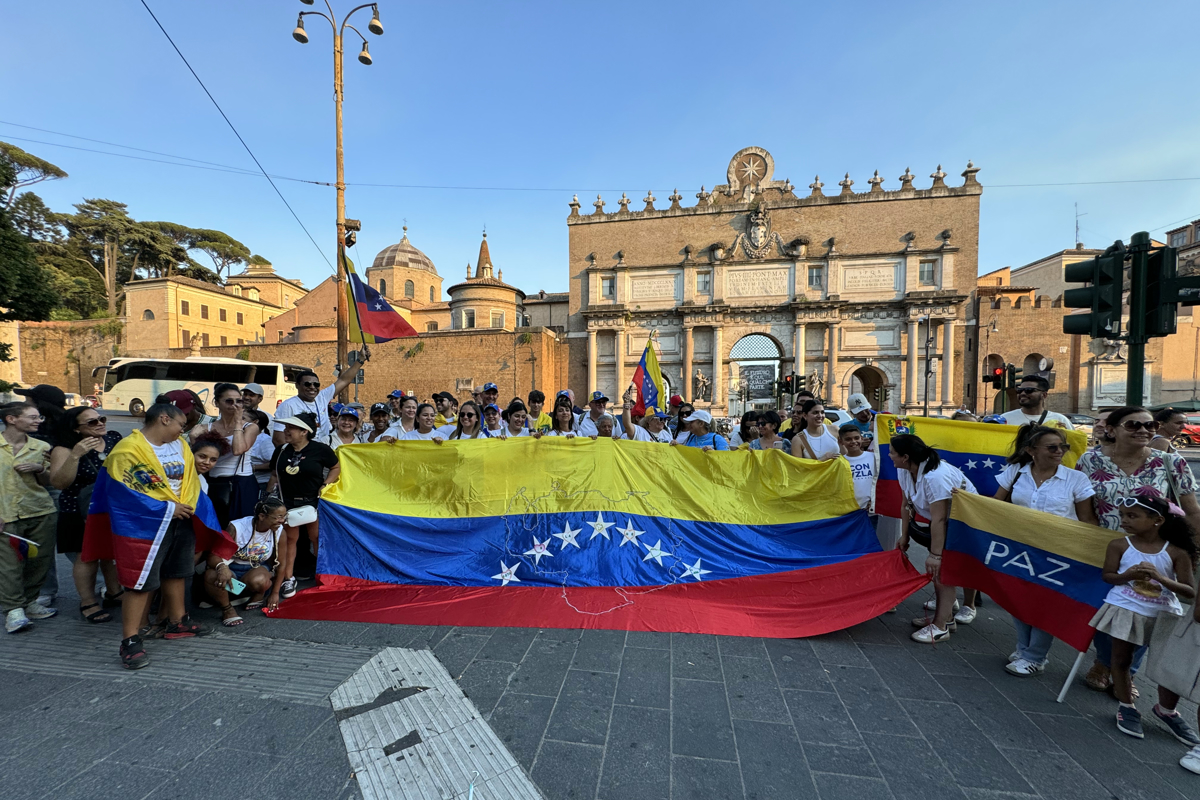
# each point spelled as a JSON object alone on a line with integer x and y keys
{"x": 1036, "y": 478}
{"x": 232, "y": 486}
{"x": 468, "y": 425}
{"x": 83, "y": 442}
{"x": 1126, "y": 466}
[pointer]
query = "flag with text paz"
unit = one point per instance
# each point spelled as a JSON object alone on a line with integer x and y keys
{"x": 1043, "y": 569}
{"x": 979, "y": 449}
{"x": 648, "y": 381}
{"x": 374, "y": 320}
{"x": 576, "y": 533}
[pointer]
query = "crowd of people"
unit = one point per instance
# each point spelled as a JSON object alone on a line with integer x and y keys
{"x": 263, "y": 474}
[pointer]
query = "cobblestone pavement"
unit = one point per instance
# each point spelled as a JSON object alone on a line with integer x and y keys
{"x": 861, "y": 714}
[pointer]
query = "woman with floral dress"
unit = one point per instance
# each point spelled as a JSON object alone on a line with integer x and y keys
{"x": 1124, "y": 465}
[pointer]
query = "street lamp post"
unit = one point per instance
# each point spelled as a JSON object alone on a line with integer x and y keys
{"x": 299, "y": 34}
{"x": 929, "y": 341}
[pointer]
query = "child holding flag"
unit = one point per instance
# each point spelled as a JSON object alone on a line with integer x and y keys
{"x": 1150, "y": 569}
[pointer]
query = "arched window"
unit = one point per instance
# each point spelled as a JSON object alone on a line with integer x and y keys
{"x": 431, "y": 296}
{"x": 410, "y": 289}
{"x": 383, "y": 287}
{"x": 147, "y": 314}
{"x": 431, "y": 326}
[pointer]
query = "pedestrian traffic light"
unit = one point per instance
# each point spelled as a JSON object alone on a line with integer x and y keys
{"x": 1104, "y": 275}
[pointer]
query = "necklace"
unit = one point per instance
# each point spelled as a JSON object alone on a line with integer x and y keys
{"x": 293, "y": 465}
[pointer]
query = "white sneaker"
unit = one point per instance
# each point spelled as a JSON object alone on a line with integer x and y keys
{"x": 36, "y": 610}
{"x": 1191, "y": 760}
{"x": 46, "y": 600}
{"x": 17, "y": 621}
{"x": 1014, "y": 655}
{"x": 1024, "y": 668}
{"x": 931, "y": 605}
{"x": 966, "y": 616}
{"x": 929, "y": 634}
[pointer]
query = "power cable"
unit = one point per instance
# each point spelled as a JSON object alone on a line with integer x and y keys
{"x": 235, "y": 133}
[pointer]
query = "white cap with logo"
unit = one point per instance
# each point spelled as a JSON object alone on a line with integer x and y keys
{"x": 857, "y": 403}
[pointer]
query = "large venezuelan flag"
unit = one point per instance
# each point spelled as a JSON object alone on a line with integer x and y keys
{"x": 1043, "y": 569}
{"x": 374, "y": 319}
{"x": 648, "y": 381}
{"x": 576, "y": 533}
{"x": 979, "y": 449}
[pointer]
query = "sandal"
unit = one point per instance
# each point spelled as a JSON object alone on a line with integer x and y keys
{"x": 255, "y": 605}
{"x": 230, "y": 622}
{"x": 112, "y": 600}
{"x": 96, "y": 616}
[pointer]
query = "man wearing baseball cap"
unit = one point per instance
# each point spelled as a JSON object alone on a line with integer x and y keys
{"x": 445, "y": 403}
{"x": 597, "y": 406}
{"x": 489, "y": 393}
{"x": 864, "y": 418}
{"x": 252, "y": 395}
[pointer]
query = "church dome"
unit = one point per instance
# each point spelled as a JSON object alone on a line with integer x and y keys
{"x": 403, "y": 254}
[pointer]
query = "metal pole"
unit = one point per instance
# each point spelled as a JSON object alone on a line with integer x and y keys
{"x": 1062, "y": 695}
{"x": 1139, "y": 248}
{"x": 343, "y": 315}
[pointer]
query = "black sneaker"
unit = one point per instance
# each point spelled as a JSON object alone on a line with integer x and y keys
{"x": 186, "y": 629}
{"x": 1178, "y": 726}
{"x": 1129, "y": 722}
{"x": 133, "y": 653}
{"x": 289, "y": 588}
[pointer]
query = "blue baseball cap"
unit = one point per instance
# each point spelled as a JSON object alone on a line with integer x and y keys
{"x": 347, "y": 411}
{"x": 598, "y": 397}
{"x": 490, "y": 387}
{"x": 492, "y": 407}
{"x": 398, "y": 393}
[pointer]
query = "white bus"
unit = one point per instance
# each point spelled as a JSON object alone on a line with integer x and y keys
{"x": 132, "y": 384}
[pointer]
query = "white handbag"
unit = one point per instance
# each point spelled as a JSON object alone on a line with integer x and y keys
{"x": 301, "y": 515}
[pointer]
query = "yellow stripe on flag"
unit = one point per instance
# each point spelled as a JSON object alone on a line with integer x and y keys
{"x": 1069, "y": 538}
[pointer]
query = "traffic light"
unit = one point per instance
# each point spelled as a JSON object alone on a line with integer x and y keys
{"x": 1105, "y": 274}
{"x": 1162, "y": 293}
{"x": 996, "y": 377}
{"x": 885, "y": 394}
{"x": 1014, "y": 377}
{"x": 801, "y": 383}
{"x": 878, "y": 395}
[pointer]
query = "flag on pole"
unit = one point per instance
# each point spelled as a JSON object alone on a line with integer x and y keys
{"x": 1043, "y": 569}
{"x": 648, "y": 381}
{"x": 374, "y": 319}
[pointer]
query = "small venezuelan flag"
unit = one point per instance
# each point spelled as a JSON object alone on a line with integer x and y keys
{"x": 648, "y": 381}
{"x": 23, "y": 547}
{"x": 374, "y": 319}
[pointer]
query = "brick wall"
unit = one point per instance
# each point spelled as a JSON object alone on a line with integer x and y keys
{"x": 532, "y": 358}
{"x": 65, "y": 353}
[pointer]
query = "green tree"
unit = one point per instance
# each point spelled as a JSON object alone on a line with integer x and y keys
{"x": 25, "y": 288}
{"x": 28, "y": 170}
{"x": 225, "y": 251}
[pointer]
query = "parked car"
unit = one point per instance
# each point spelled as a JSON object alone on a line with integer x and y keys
{"x": 1190, "y": 435}
{"x": 1082, "y": 421}
{"x": 838, "y": 416}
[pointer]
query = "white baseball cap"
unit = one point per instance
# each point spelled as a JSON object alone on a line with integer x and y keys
{"x": 703, "y": 416}
{"x": 857, "y": 403}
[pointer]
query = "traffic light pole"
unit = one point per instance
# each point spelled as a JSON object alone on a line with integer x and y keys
{"x": 1139, "y": 249}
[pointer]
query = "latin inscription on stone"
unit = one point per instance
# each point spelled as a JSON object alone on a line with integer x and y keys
{"x": 653, "y": 288}
{"x": 869, "y": 278}
{"x": 757, "y": 283}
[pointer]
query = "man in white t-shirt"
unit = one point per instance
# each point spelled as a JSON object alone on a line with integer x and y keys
{"x": 597, "y": 405}
{"x": 1031, "y": 397}
{"x": 312, "y": 398}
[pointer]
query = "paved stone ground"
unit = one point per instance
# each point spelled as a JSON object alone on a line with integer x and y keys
{"x": 860, "y": 714}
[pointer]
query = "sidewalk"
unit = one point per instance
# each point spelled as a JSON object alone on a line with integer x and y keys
{"x": 860, "y": 714}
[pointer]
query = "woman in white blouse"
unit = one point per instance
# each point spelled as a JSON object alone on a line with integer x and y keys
{"x": 345, "y": 430}
{"x": 1036, "y": 478}
{"x": 425, "y": 418}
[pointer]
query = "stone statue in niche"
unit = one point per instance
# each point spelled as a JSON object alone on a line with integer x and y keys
{"x": 702, "y": 386}
{"x": 194, "y": 343}
{"x": 758, "y": 239}
{"x": 816, "y": 384}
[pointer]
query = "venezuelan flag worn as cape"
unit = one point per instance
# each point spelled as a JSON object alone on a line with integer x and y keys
{"x": 1043, "y": 569}
{"x": 132, "y": 505}
{"x": 576, "y": 533}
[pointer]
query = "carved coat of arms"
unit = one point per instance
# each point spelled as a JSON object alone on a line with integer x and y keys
{"x": 758, "y": 238}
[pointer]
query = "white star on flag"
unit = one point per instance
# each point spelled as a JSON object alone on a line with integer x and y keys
{"x": 988, "y": 463}
{"x": 538, "y": 550}
{"x": 508, "y": 573}
{"x": 600, "y": 527}
{"x": 379, "y": 306}
{"x": 971, "y": 464}
{"x": 656, "y": 552}
{"x": 628, "y": 534}
{"x": 694, "y": 570}
{"x": 568, "y": 536}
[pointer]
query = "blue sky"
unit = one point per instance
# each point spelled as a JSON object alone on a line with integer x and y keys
{"x": 615, "y": 96}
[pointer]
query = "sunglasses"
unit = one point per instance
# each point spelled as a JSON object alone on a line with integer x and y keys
{"x": 1130, "y": 502}
{"x": 1056, "y": 448}
{"x": 1028, "y": 390}
{"x": 229, "y": 401}
{"x": 311, "y": 384}
{"x": 1133, "y": 426}
{"x": 468, "y": 415}
{"x": 96, "y": 421}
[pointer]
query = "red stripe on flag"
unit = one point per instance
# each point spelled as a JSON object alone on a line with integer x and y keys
{"x": 639, "y": 407}
{"x": 386, "y": 324}
{"x": 1034, "y": 604}
{"x": 806, "y": 602}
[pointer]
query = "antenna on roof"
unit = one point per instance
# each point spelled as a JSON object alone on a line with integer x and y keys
{"x": 1077, "y": 216}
